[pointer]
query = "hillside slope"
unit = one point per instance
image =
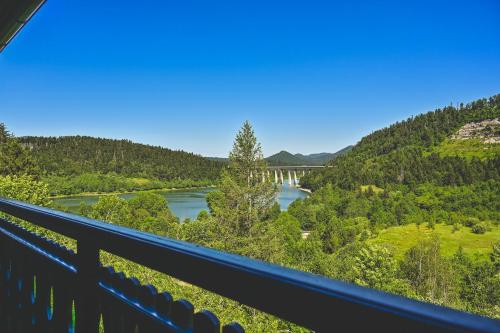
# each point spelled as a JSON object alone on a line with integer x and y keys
{"x": 75, "y": 155}
{"x": 286, "y": 158}
{"x": 405, "y": 152}
{"x": 322, "y": 158}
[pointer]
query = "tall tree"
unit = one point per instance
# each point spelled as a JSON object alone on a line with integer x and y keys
{"x": 14, "y": 158}
{"x": 245, "y": 196}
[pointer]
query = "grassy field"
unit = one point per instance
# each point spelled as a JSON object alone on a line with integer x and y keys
{"x": 374, "y": 188}
{"x": 401, "y": 238}
{"x": 468, "y": 149}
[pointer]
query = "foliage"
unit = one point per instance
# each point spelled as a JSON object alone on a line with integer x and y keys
{"x": 480, "y": 228}
{"x": 375, "y": 267}
{"x": 429, "y": 273}
{"x": 405, "y": 153}
{"x": 112, "y": 182}
{"x": 244, "y": 198}
{"x": 469, "y": 149}
{"x": 24, "y": 188}
{"x": 77, "y": 155}
{"x": 14, "y": 158}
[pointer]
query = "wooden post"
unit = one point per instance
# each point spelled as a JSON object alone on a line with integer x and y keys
{"x": 87, "y": 299}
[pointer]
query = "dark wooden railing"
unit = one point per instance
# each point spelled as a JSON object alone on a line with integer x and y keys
{"x": 45, "y": 287}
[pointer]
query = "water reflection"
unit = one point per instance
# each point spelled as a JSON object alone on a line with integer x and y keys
{"x": 185, "y": 203}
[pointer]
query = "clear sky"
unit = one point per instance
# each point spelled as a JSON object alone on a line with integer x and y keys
{"x": 311, "y": 76}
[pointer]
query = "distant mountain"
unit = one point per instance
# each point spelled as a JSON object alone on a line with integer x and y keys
{"x": 286, "y": 158}
{"x": 322, "y": 158}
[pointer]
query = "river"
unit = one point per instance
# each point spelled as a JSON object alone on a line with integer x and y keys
{"x": 184, "y": 203}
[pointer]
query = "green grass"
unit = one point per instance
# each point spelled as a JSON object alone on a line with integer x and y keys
{"x": 468, "y": 149}
{"x": 401, "y": 238}
{"x": 375, "y": 189}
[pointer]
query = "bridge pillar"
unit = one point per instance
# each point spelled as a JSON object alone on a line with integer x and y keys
{"x": 289, "y": 178}
{"x": 281, "y": 176}
{"x": 303, "y": 172}
{"x": 276, "y": 176}
{"x": 296, "y": 181}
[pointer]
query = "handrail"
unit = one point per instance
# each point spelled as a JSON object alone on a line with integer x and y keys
{"x": 306, "y": 299}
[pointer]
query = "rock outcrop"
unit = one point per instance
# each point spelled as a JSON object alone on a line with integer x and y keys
{"x": 487, "y": 131}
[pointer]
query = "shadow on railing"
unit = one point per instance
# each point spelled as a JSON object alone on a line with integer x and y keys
{"x": 45, "y": 287}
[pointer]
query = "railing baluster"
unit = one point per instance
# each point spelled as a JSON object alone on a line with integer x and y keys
{"x": 3, "y": 283}
{"x": 61, "y": 320}
{"x": 164, "y": 304}
{"x": 87, "y": 300}
{"x": 12, "y": 297}
{"x": 206, "y": 322}
{"x": 131, "y": 288}
{"x": 182, "y": 313}
{"x": 109, "y": 312}
{"x": 25, "y": 284}
{"x": 147, "y": 295}
{"x": 233, "y": 328}
{"x": 42, "y": 299}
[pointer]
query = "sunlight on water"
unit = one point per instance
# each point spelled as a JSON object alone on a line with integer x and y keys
{"x": 185, "y": 203}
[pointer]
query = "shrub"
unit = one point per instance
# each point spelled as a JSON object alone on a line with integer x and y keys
{"x": 480, "y": 228}
{"x": 471, "y": 221}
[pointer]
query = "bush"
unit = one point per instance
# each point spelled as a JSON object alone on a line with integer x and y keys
{"x": 480, "y": 228}
{"x": 471, "y": 221}
{"x": 24, "y": 188}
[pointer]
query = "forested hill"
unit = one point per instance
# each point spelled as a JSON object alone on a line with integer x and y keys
{"x": 75, "y": 155}
{"x": 286, "y": 158}
{"x": 322, "y": 158}
{"x": 410, "y": 152}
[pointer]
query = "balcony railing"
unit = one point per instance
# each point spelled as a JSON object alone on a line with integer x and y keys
{"x": 45, "y": 287}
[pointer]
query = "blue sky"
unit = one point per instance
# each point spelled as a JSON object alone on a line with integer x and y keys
{"x": 311, "y": 76}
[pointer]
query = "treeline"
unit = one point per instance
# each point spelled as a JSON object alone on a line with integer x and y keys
{"x": 76, "y": 155}
{"x": 403, "y": 153}
{"x": 341, "y": 216}
{"x": 112, "y": 182}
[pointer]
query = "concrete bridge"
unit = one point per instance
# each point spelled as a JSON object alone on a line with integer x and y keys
{"x": 292, "y": 172}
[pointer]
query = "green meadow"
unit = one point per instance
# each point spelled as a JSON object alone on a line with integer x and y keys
{"x": 401, "y": 238}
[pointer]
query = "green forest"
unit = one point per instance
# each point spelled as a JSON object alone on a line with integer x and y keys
{"x": 79, "y": 164}
{"x": 285, "y": 158}
{"x": 410, "y": 152}
{"x": 412, "y": 209}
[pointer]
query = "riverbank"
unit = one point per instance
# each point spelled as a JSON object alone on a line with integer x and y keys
{"x": 304, "y": 190}
{"x": 166, "y": 189}
{"x": 184, "y": 203}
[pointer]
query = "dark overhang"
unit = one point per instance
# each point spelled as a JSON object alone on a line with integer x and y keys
{"x": 13, "y": 16}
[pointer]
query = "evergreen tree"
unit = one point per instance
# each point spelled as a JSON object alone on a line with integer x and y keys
{"x": 14, "y": 158}
{"x": 245, "y": 197}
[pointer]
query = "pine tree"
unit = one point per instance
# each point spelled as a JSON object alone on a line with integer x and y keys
{"x": 244, "y": 198}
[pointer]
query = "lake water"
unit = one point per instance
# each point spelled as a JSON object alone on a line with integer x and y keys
{"x": 185, "y": 203}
